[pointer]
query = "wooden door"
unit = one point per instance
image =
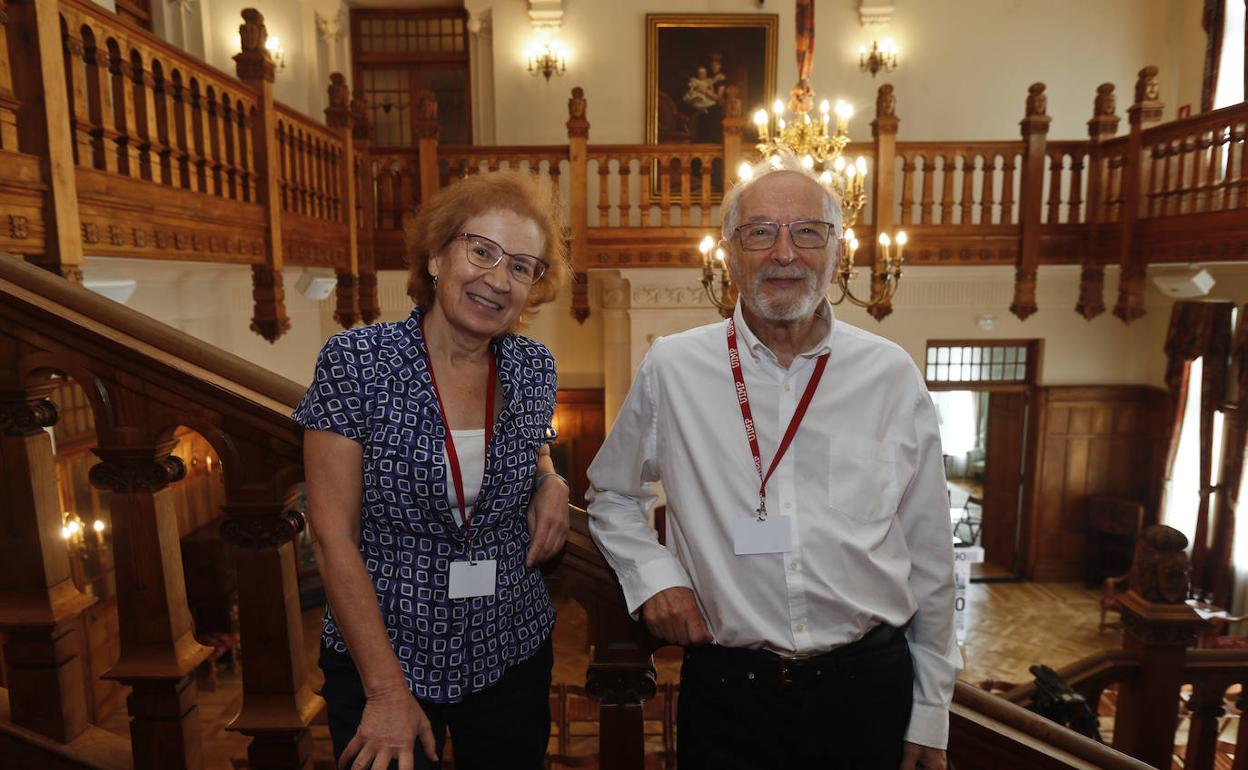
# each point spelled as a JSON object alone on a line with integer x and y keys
{"x": 1003, "y": 478}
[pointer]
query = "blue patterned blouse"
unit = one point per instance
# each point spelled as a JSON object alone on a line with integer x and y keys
{"x": 372, "y": 385}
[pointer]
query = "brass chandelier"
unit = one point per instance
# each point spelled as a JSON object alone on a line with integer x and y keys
{"x": 819, "y": 144}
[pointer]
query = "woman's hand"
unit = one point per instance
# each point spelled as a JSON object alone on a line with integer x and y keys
{"x": 392, "y": 723}
{"x": 548, "y": 520}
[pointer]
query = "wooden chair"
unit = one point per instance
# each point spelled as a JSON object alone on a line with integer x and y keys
{"x": 1112, "y": 602}
{"x": 575, "y": 716}
{"x": 1113, "y": 524}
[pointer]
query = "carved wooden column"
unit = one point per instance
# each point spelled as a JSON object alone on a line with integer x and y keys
{"x": 1035, "y": 129}
{"x": 8, "y": 100}
{"x": 1147, "y": 108}
{"x": 734, "y": 127}
{"x": 884, "y": 129}
{"x": 338, "y": 117}
{"x": 278, "y": 702}
{"x": 1207, "y": 707}
{"x": 39, "y": 605}
{"x": 43, "y": 126}
{"x": 255, "y": 68}
{"x": 370, "y": 305}
{"x": 578, "y": 200}
{"x": 159, "y": 653}
{"x": 426, "y": 125}
{"x": 621, "y": 676}
{"x": 1102, "y": 126}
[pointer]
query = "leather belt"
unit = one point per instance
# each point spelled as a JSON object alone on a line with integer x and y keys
{"x": 794, "y": 669}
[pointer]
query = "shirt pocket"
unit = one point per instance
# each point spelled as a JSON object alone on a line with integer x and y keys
{"x": 862, "y": 477}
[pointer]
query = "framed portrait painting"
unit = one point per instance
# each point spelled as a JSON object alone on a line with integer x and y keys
{"x": 691, "y": 59}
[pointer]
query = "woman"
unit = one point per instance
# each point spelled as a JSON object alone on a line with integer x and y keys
{"x": 432, "y": 496}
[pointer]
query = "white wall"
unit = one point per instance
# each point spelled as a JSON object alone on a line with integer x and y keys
{"x": 965, "y": 64}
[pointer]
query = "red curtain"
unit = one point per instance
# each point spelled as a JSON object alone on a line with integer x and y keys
{"x": 1213, "y": 20}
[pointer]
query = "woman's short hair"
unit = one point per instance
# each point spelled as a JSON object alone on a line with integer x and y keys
{"x": 442, "y": 217}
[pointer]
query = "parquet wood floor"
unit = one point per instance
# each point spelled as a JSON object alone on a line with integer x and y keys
{"x": 1010, "y": 627}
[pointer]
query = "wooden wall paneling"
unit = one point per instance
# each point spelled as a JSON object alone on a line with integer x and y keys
{"x": 1092, "y": 440}
{"x": 580, "y": 420}
{"x": 1003, "y": 476}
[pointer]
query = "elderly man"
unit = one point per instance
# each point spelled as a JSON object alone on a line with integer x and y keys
{"x": 809, "y": 569}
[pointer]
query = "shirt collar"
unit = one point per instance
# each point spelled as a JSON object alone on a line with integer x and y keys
{"x": 752, "y": 343}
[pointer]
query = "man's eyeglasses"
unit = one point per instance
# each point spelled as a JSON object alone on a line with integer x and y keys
{"x": 805, "y": 233}
{"x": 486, "y": 254}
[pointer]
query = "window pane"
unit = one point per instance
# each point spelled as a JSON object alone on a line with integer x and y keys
{"x": 931, "y": 355}
{"x": 943, "y": 355}
{"x": 955, "y": 356}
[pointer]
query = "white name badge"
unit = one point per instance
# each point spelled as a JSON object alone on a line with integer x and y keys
{"x": 771, "y": 535}
{"x": 470, "y": 578}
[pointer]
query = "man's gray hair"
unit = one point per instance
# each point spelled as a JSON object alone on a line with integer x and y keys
{"x": 730, "y": 209}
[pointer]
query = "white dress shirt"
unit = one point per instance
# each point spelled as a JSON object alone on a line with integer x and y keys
{"x": 863, "y": 483}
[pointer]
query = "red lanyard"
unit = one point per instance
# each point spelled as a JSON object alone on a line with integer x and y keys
{"x": 743, "y": 398}
{"x": 453, "y": 459}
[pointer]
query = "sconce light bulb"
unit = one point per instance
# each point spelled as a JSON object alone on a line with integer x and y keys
{"x": 844, "y": 109}
{"x": 719, "y": 255}
{"x": 780, "y": 123}
{"x": 74, "y": 526}
{"x": 890, "y": 46}
{"x": 776, "y": 163}
{"x": 850, "y": 170}
{"x": 273, "y": 43}
{"x": 849, "y": 235}
{"x": 862, "y": 50}
{"x": 760, "y": 118}
{"x": 885, "y": 241}
{"x": 853, "y": 244}
{"x": 838, "y": 165}
{"x": 825, "y": 178}
{"x": 706, "y": 245}
{"x": 808, "y": 162}
{"x": 777, "y": 107}
{"x": 861, "y": 163}
{"x": 745, "y": 172}
{"x": 66, "y": 533}
{"x": 824, "y": 106}
{"x": 901, "y": 238}
{"x": 98, "y": 526}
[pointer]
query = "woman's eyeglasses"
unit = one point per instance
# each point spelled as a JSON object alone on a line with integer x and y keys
{"x": 485, "y": 253}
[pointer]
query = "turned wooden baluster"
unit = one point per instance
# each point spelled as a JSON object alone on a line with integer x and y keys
{"x": 578, "y": 187}
{"x": 166, "y": 135}
{"x": 704, "y": 204}
{"x": 145, "y": 113}
{"x": 128, "y": 139}
{"x": 1035, "y": 129}
{"x": 967, "y": 203}
{"x": 1007, "y": 189}
{"x": 1206, "y": 706}
{"x": 948, "y": 169}
{"x": 626, "y": 206}
{"x": 40, "y": 605}
{"x": 604, "y": 197}
{"x": 927, "y": 206}
{"x": 987, "y": 191}
{"x": 1146, "y": 108}
{"x": 1102, "y": 126}
{"x": 159, "y": 653}
{"x": 338, "y": 118}
{"x": 907, "y": 188}
{"x": 84, "y": 151}
{"x": 37, "y": 63}
{"x": 256, "y": 69}
{"x": 180, "y": 137}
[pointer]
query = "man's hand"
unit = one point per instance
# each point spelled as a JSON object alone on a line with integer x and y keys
{"x": 548, "y": 521}
{"x": 916, "y": 757}
{"x": 673, "y": 615}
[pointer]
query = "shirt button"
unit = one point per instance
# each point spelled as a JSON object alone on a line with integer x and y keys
{"x": 800, "y": 627}
{"x": 793, "y": 565}
{"x": 786, "y": 387}
{"x": 788, "y": 503}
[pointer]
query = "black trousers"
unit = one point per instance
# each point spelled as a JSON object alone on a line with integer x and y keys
{"x": 506, "y": 725}
{"x": 846, "y": 710}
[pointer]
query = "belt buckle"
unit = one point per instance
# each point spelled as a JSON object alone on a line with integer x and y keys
{"x": 786, "y": 664}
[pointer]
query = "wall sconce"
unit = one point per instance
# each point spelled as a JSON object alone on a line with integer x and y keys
{"x": 547, "y": 57}
{"x": 273, "y": 44}
{"x": 878, "y": 58}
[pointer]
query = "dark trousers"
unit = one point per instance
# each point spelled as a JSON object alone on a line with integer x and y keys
{"x": 506, "y": 725}
{"x": 846, "y": 710}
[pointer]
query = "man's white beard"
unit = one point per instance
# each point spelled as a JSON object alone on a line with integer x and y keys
{"x": 782, "y": 308}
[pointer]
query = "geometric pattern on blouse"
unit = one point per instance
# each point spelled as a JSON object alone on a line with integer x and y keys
{"x": 372, "y": 385}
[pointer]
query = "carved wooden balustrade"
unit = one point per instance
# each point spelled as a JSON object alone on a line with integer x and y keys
{"x": 114, "y": 143}
{"x": 144, "y": 380}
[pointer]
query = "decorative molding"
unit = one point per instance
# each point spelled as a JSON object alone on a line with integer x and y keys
{"x": 546, "y": 14}
{"x": 26, "y": 418}
{"x": 615, "y": 685}
{"x": 875, "y": 13}
{"x": 682, "y": 297}
{"x": 130, "y": 470}
{"x": 262, "y": 530}
{"x": 330, "y": 28}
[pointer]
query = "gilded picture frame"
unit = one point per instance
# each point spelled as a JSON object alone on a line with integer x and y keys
{"x": 690, "y": 61}
{"x": 733, "y": 49}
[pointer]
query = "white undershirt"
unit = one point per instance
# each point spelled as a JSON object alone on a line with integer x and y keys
{"x": 470, "y": 449}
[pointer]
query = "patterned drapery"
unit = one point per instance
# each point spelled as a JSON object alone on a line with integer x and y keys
{"x": 805, "y": 38}
{"x": 1199, "y": 330}
{"x": 1232, "y": 469}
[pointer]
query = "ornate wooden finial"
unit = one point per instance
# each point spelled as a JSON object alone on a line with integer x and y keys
{"x": 338, "y": 113}
{"x": 1037, "y": 102}
{"x": 1147, "y": 87}
{"x": 886, "y": 102}
{"x": 254, "y": 61}
{"x": 1106, "y": 102}
{"x": 578, "y": 124}
{"x": 426, "y": 119}
{"x": 1161, "y": 571}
